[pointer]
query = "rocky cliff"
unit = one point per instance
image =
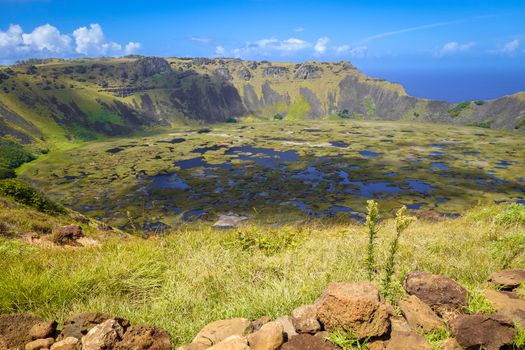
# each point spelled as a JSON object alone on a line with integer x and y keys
{"x": 85, "y": 99}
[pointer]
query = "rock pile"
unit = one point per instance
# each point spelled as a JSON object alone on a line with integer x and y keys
{"x": 86, "y": 331}
{"x": 434, "y": 304}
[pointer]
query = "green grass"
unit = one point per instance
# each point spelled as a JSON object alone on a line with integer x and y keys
{"x": 195, "y": 275}
{"x": 436, "y": 338}
{"x": 347, "y": 341}
{"x": 477, "y": 303}
{"x": 458, "y": 109}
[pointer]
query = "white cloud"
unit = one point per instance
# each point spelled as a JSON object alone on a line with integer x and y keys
{"x": 454, "y": 47}
{"x": 201, "y": 40}
{"x": 511, "y": 46}
{"x": 321, "y": 45}
{"x": 132, "y": 47}
{"x": 359, "y": 51}
{"x": 47, "y": 38}
{"x": 219, "y": 50}
{"x": 299, "y": 30}
{"x": 47, "y": 41}
{"x": 267, "y": 47}
{"x": 342, "y": 49}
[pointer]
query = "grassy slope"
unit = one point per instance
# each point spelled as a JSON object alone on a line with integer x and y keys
{"x": 193, "y": 276}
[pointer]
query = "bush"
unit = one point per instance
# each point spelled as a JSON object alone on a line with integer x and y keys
{"x": 456, "y": 111}
{"x": 25, "y": 194}
{"x": 6, "y": 173}
{"x": 13, "y": 154}
{"x": 231, "y": 120}
{"x": 278, "y": 116}
{"x": 269, "y": 242}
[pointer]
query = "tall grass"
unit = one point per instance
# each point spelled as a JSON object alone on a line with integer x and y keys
{"x": 196, "y": 275}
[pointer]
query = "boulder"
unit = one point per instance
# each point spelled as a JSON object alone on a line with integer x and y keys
{"x": 508, "y": 304}
{"x": 441, "y": 293}
{"x": 67, "y": 235}
{"x": 142, "y": 337}
{"x": 403, "y": 337}
{"x": 193, "y": 346}
{"x": 15, "y": 328}
{"x": 508, "y": 279}
{"x": 288, "y": 328}
{"x": 269, "y": 337}
{"x": 103, "y": 336}
{"x": 356, "y": 307}
{"x": 234, "y": 342}
{"x": 304, "y": 319}
{"x": 308, "y": 342}
{"x": 258, "y": 323}
{"x": 42, "y": 330}
{"x": 419, "y": 315}
{"x": 40, "y": 344}
{"x": 229, "y": 221}
{"x": 217, "y": 331}
{"x": 480, "y": 330}
{"x": 69, "y": 343}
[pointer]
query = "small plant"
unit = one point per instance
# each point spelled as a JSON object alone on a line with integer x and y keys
{"x": 231, "y": 120}
{"x": 278, "y": 116}
{"x": 371, "y": 223}
{"x": 521, "y": 291}
{"x": 477, "y": 303}
{"x": 435, "y": 338}
{"x": 344, "y": 114}
{"x": 519, "y": 338}
{"x": 269, "y": 242}
{"x": 347, "y": 341}
{"x": 402, "y": 222}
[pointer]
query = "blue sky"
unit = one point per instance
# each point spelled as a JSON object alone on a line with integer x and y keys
{"x": 400, "y": 40}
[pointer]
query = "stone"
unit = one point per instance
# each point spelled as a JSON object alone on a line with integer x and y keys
{"x": 356, "y": 307}
{"x": 308, "y": 342}
{"x": 69, "y": 343}
{"x": 508, "y": 304}
{"x": 234, "y": 342}
{"x": 103, "y": 336}
{"x": 402, "y": 337}
{"x": 508, "y": 279}
{"x": 441, "y": 293}
{"x": 419, "y": 315}
{"x": 67, "y": 235}
{"x": 217, "y": 331}
{"x": 229, "y": 221}
{"x": 258, "y": 323}
{"x": 142, "y": 337}
{"x": 78, "y": 325}
{"x": 304, "y": 319}
{"x": 42, "y": 330}
{"x": 288, "y": 328}
{"x": 480, "y": 330}
{"x": 193, "y": 346}
{"x": 450, "y": 344}
{"x": 269, "y": 337}
{"x": 15, "y": 328}
{"x": 40, "y": 344}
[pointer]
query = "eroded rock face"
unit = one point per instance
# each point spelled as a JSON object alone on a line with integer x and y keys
{"x": 308, "y": 342}
{"x": 275, "y": 71}
{"x": 15, "y": 329}
{"x": 103, "y": 336}
{"x": 269, "y": 337}
{"x": 304, "y": 319}
{"x": 419, "y": 315}
{"x": 78, "y": 325}
{"x": 148, "y": 66}
{"x": 508, "y": 304}
{"x": 355, "y": 307}
{"x": 308, "y": 71}
{"x": 489, "y": 331}
{"x": 441, "y": 293}
{"x": 288, "y": 328}
{"x": 142, "y": 337}
{"x": 508, "y": 279}
{"x": 217, "y": 331}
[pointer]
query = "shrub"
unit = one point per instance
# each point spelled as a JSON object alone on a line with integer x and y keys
{"x": 278, "y": 116}
{"x": 344, "y": 114}
{"x": 456, "y": 111}
{"x": 231, "y": 120}
{"x": 6, "y": 173}
{"x": 13, "y": 154}
{"x": 25, "y": 194}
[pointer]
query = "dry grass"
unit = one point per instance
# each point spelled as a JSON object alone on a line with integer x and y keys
{"x": 195, "y": 275}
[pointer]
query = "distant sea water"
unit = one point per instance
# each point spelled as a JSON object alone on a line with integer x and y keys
{"x": 455, "y": 85}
